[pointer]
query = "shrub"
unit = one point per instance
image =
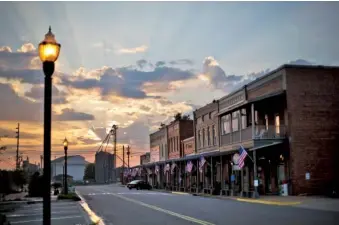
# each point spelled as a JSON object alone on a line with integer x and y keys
{"x": 70, "y": 196}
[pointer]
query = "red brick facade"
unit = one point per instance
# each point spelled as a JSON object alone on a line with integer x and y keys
{"x": 188, "y": 146}
{"x": 178, "y": 131}
{"x": 313, "y": 121}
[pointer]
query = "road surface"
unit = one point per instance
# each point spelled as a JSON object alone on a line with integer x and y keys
{"x": 117, "y": 205}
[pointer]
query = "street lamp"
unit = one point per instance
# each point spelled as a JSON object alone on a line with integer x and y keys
{"x": 49, "y": 51}
{"x": 65, "y": 178}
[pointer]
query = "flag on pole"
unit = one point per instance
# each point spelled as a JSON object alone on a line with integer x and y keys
{"x": 173, "y": 167}
{"x": 202, "y": 163}
{"x": 189, "y": 166}
{"x": 242, "y": 157}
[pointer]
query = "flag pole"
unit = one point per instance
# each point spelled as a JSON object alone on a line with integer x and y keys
{"x": 247, "y": 153}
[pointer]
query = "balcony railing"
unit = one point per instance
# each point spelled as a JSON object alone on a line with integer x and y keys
{"x": 269, "y": 132}
{"x": 260, "y": 132}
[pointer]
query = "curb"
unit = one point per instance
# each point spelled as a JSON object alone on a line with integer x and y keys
{"x": 93, "y": 217}
{"x": 267, "y": 202}
{"x": 180, "y": 193}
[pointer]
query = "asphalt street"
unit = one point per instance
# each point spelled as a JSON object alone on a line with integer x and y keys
{"x": 63, "y": 212}
{"x": 117, "y": 205}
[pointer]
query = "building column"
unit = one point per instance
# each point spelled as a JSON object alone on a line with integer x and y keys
{"x": 221, "y": 173}
{"x": 253, "y": 121}
{"x": 211, "y": 172}
{"x": 198, "y": 177}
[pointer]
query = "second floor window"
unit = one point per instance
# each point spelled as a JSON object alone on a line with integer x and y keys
{"x": 203, "y": 137}
{"x": 235, "y": 121}
{"x": 199, "y": 139}
{"x": 243, "y": 119}
{"x": 225, "y": 124}
{"x": 214, "y": 135}
{"x": 208, "y": 137}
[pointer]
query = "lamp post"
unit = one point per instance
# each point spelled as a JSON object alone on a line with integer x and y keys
{"x": 65, "y": 149}
{"x": 49, "y": 51}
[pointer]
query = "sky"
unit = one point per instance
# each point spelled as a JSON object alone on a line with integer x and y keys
{"x": 136, "y": 64}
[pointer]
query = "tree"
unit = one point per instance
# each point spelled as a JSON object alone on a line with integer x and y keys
{"x": 186, "y": 117}
{"x": 162, "y": 125}
{"x": 19, "y": 178}
{"x": 177, "y": 117}
{"x": 89, "y": 172}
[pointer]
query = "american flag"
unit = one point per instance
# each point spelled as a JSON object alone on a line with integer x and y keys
{"x": 189, "y": 166}
{"x": 242, "y": 157}
{"x": 202, "y": 162}
{"x": 173, "y": 167}
{"x": 157, "y": 169}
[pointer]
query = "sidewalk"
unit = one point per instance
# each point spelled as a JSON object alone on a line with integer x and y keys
{"x": 21, "y": 198}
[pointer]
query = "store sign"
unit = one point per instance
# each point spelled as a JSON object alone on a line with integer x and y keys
{"x": 235, "y": 158}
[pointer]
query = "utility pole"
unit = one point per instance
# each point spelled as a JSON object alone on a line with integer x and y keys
{"x": 128, "y": 155}
{"x": 123, "y": 156}
{"x": 17, "y": 146}
{"x": 114, "y": 133}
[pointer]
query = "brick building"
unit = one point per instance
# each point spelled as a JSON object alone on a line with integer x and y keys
{"x": 206, "y": 127}
{"x": 288, "y": 120}
{"x": 177, "y": 131}
{"x": 188, "y": 146}
{"x": 158, "y": 145}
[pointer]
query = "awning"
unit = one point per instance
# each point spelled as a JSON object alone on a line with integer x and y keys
{"x": 265, "y": 146}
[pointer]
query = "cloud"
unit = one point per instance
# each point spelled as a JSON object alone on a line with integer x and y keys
{"x": 125, "y": 81}
{"x": 160, "y": 63}
{"x": 142, "y": 48}
{"x": 216, "y": 75}
{"x": 37, "y": 93}
{"x": 88, "y": 141}
{"x": 70, "y": 115}
{"x": 142, "y": 63}
{"x": 27, "y": 47}
{"x": 17, "y": 60}
{"x": 301, "y": 62}
{"x": 11, "y": 134}
{"x": 181, "y": 62}
{"x": 14, "y": 107}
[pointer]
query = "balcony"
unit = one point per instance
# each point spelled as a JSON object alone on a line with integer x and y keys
{"x": 269, "y": 132}
{"x": 262, "y": 134}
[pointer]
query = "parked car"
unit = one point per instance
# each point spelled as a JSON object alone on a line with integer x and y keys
{"x": 139, "y": 185}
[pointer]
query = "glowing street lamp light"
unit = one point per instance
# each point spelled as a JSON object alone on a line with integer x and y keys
{"x": 49, "y": 51}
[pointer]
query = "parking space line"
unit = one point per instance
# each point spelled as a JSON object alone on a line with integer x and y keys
{"x": 39, "y": 220}
{"x": 37, "y": 214}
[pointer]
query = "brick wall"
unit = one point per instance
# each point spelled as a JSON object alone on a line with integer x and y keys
{"x": 313, "y": 119}
{"x": 188, "y": 146}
